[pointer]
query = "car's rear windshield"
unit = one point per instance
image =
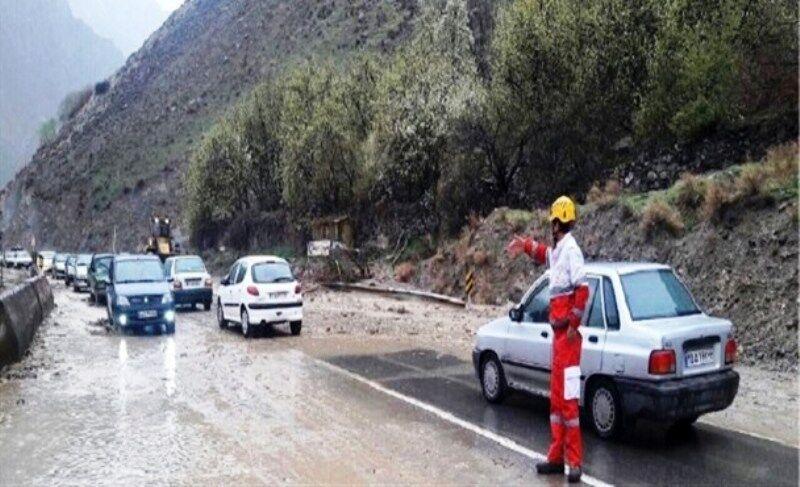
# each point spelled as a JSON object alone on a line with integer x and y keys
{"x": 84, "y": 259}
{"x": 189, "y": 264}
{"x": 272, "y": 272}
{"x": 61, "y": 258}
{"x": 130, "y": 271}
{"x": 657, "y": 294}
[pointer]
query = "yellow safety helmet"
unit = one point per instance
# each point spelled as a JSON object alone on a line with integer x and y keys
{"x": 563, "y": 209}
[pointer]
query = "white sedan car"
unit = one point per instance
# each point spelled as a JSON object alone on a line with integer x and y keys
{"x": 260, "y": 291}
{"x": 648, "y": 349}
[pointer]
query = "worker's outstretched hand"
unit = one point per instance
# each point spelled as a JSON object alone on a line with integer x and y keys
{"x": 518, "y": 244}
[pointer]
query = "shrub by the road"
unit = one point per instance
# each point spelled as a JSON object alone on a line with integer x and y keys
{"x": 660, "y": 215}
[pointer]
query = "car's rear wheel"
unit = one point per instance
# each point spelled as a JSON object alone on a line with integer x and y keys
{"x": 221, "y": 321}
{"x": 605, "y": 410}
{"x": 493, "y": 379}
{"x": 296, "y": 327}
{"x": 207, "y": 305}
{"x": 247, "y": 328}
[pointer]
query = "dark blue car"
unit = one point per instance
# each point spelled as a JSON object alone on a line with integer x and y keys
{"x": 139, "y": 296}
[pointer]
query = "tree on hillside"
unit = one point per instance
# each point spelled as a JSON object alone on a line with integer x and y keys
{"x": 718, "y": 63}
{"x": 48, "y": 131}
{"x": 235, "y": 171}
{"x": 425, "y": 88}
{"x": 327, "y": 114}
{"x": 565, "y": 74}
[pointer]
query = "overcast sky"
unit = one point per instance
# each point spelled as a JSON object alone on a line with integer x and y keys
{"x": 170, "y": 5}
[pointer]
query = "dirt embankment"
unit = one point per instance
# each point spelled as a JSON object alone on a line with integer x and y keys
{"x": 743, "y": 268}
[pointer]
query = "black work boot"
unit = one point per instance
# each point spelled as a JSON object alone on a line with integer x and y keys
{"x": 574, "y": 475}
{"x": 548, "y": 468}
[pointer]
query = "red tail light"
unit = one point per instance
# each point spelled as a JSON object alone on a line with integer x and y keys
{"x": 662, "y": 362}
{"x": 177, "y": 284}
{"x": 209, "y": 282}
{"x": 730, "y": 351}
{"x": 298, "y": 289}
{"x": 252, "y": 290}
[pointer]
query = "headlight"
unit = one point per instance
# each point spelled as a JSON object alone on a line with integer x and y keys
{"x": 123, "y": 301}
{"x": 166, "y": 299}
{"x": 123, "y": 320}
{"x": 169, "y": 315}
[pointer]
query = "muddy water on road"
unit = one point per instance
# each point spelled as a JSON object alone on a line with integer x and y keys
{"x": 206, "y": 406}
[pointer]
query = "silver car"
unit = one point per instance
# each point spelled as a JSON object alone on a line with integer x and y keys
{"x": 648, "y": 351}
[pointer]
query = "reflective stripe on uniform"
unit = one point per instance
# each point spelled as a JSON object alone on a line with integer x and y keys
{"x": 577, "y": 312}
{"x": 556, "y": 419}
{"x": 572, "y": 423}
{"x": 565, "y": 290}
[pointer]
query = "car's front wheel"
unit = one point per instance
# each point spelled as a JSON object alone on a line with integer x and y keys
{"x": 247, "y": 328}
{"x": 493, "y": 379}
{"x": 605, "y": 410}
{"x": 221, "y": 321}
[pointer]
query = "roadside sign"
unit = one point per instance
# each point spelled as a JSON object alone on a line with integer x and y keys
{"x": 469, "y": 282}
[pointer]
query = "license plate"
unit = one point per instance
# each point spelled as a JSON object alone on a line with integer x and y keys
{"x": 696, "y": 358}
{"x": 278, "y": 295}
{"x": 192, "y": 282}
{"x": 148, "y": 314}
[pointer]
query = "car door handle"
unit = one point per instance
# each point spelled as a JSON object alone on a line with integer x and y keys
{"x": 545, "y": 334}
{"x": 593, "y": 339}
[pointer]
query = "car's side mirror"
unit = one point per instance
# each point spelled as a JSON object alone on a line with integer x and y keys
{"x": 515, "y": 313}
{"x": 224, "y": 282}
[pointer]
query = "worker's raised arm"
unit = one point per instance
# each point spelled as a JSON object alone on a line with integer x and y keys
{"x": 535, "y": 250}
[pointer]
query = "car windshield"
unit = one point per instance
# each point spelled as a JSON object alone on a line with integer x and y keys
{"x": 189, "y": 264}
{"x": 130, "y": 271}
{"x": 657, "y": 294}
{"x": 101, "y": 265}
{"x": 61, "y": 258}
{"x": 272, "y": 272}
{"x": 84, "y": 259}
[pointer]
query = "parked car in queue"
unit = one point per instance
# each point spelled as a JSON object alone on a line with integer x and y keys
{"x": 191, "y": 282}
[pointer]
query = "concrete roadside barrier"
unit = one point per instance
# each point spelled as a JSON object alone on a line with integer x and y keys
{"x": 45, "y": 294}
{"x": 22, "y": 310}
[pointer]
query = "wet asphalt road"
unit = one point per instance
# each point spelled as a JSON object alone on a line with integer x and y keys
{"x": 654, "y": 455}
{"x": 207, "y": 407}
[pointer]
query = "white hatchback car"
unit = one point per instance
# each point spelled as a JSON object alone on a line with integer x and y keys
{"x": 260, "y": 291}
{"x": 648, "y": 350}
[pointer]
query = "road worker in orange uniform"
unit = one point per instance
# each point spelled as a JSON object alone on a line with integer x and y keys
{"x": 568, "y": 296}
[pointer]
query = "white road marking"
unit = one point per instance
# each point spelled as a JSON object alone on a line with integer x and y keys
{"x": 450, "y": 418}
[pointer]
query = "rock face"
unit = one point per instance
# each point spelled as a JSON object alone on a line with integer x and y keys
{"x": 123, "y": 156}
{"x": 45, "y": 53}
{"x": 659, "y": 168}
